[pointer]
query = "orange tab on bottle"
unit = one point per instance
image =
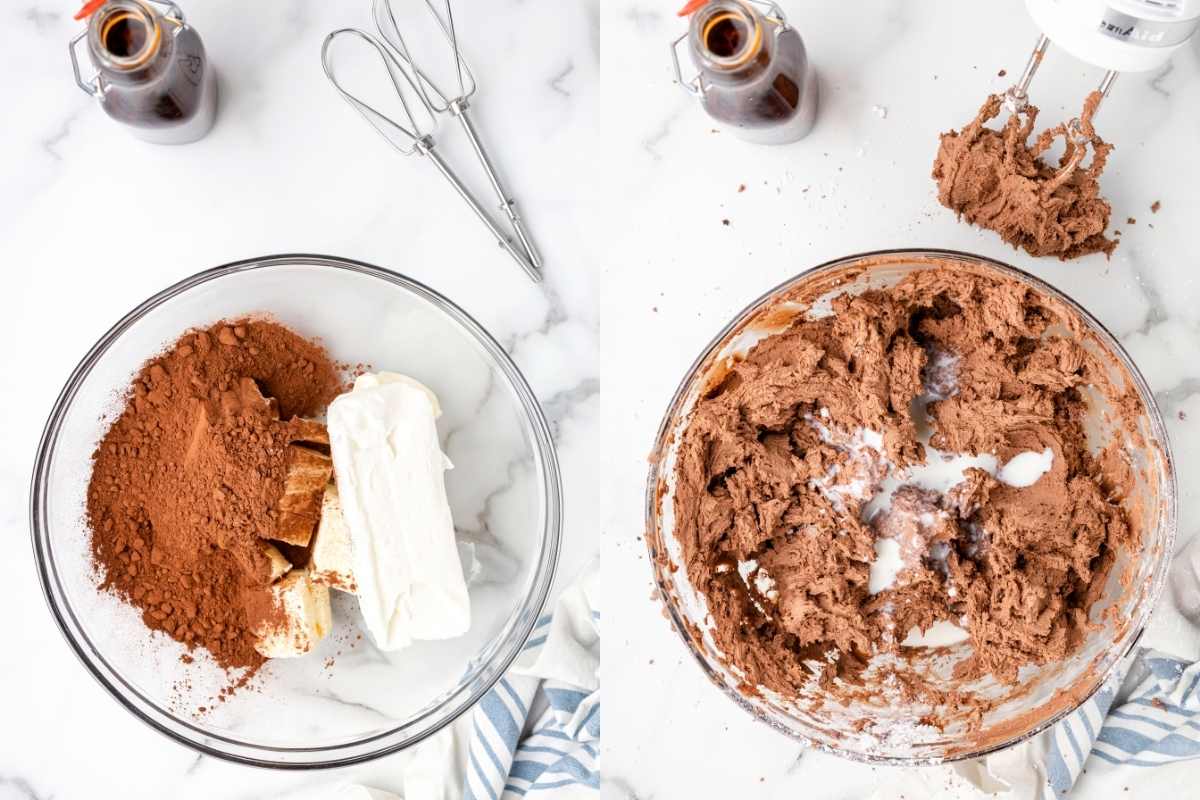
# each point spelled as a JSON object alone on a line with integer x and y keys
{"x": 692, "y": 6}
{"x": 89, "y": 8}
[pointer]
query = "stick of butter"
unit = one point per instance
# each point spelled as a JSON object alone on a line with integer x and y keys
{"x": 307, "y": 615}
{"x": 332, "y": 553}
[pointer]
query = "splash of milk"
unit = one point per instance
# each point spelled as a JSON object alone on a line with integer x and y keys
{"x": 1024, "y": 469}
{"x": 942, "y": 633}
{"x": 940, "y": 472}
{"x": 886, "y": 566}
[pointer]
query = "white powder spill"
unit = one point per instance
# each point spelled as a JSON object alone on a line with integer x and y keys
{"x": 1024, "y": 469}
{"x": 886, "y": 566}
{"x": 942, "y": 633}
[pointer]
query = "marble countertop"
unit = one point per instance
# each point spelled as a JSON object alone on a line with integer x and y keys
{"x": 627, "y": 190}
{"x": 892, "y": 76}
{"x": 92, "y": 222}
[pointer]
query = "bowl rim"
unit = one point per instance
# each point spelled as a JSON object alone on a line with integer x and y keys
{"x": 1167, "y": 518}
{"x": 516, "y": 631}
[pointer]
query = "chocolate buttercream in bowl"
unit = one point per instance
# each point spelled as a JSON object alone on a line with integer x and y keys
{"x": 911, "y": 506}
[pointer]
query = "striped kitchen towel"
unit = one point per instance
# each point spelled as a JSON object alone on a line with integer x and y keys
{"x": 1146, "y": 715}
{"x": 536, "y": 734}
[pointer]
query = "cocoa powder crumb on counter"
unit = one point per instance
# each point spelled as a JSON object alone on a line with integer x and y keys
{"x": 1155, "y": 206}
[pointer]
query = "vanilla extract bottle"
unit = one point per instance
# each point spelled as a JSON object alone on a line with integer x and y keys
{"x": 754, "y": 75}
{"x": 152, "y": 72}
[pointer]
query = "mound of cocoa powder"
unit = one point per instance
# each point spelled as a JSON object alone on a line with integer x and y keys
{"x": 185, "y": 485}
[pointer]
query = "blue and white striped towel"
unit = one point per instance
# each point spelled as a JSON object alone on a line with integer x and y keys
{"x": 536, "y": 734}
{"x": 1146, "y": 715}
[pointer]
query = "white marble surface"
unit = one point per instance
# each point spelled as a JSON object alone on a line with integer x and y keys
{"x": 859, "y": 182}
{"x": 92, "y": 222}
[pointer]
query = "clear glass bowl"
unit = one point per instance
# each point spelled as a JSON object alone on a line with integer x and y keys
{"x": 504, "y": 493}
{"x": 1046, "y": 694}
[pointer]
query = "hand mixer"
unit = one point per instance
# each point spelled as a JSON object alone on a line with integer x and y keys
{"x": 429, "y": 100}
{"x": 1119, "y": 35}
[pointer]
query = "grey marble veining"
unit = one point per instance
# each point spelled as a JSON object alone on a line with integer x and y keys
{"x": 93, "y": 221}
{"x": 860, "y": 182}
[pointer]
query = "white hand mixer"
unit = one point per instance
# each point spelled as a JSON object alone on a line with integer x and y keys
{"x": 1119, "y": 35}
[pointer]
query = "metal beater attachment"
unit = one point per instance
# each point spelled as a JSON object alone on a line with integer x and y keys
{"x": 454, "y": 100}
{"x": 1016, "y": 99}
{"x": 415, "y": 135}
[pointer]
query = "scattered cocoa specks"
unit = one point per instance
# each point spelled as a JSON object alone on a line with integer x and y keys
{"x": 1183, "y": 416}
{"x": 654, "y": 309}
{"x": 1131, "y": 221}
{"x": 741, "y": 188}
{"x": 1002, "y": 73}
{"x": 1155, "y": 206}
{"x": 1116, "y": 233}
{"x": 1159, "y": 704}
{"x": 725, "y": 222}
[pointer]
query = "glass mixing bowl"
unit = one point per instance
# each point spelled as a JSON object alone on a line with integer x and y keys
{"x": 1045, "y": 694}
{"x": 504, "y": 492}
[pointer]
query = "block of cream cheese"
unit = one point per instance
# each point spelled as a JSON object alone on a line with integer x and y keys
{"x": 332, "y": 560}
{"x": 389, "y": 467}
{"x": 307, "y": 614}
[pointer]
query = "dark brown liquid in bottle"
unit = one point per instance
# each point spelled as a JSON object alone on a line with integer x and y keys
{"x": 166, "y": 89}
{"x": 125, "y": 36}
{"x": 725, "y": 37}
{"x": 778, "y": 98}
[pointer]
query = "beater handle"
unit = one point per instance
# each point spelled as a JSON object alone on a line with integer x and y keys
{"x": 425, "y": 148}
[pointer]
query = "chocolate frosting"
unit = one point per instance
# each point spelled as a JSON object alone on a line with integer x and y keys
{"x": 996, "y": 180}
{"x": 783, "y": 453}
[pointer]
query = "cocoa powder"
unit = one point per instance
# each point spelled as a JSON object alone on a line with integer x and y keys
{"x": 185, "y": 485}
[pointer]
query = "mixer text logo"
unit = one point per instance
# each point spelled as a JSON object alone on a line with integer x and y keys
{"x": 1144, "y": 32}
{"x": 1131, "y": 32}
